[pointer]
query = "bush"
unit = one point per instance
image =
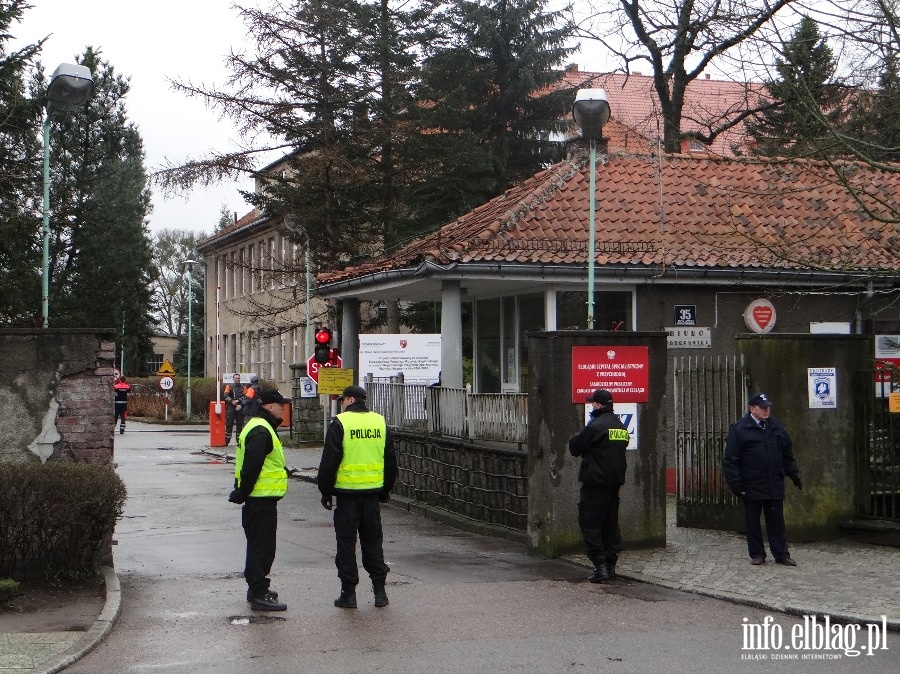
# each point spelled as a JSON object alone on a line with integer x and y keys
{"x": 57, "y": 519}
{"x": 147, "y": 400}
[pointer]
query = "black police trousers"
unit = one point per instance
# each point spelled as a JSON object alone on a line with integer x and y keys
{"x": 358, "y": 513}
{"x": 259, "y": 517}
{"x": 598, "y": 517}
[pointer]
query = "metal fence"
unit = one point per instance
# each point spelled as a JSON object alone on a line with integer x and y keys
{"x": 879, "y": 474}
{"x": 451, "y": 412}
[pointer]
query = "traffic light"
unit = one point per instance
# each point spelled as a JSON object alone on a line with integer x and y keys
{"x": 322, "y": 350}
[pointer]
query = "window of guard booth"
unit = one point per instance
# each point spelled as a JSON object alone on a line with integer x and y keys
{"x": 487, "y": 346}
{"x": 531, "y": 319}
{"x": 612, "y": 310}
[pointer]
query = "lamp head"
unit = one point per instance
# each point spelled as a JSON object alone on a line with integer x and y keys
{"x": 70, "y": 87}
{"x": 591, "y": 112}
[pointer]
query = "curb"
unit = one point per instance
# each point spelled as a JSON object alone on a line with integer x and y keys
{"x": 101, "y": 628}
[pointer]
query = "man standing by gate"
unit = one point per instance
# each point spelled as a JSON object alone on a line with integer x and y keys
{"x": 234, "y": 417}
{"x": 758, "y": 454}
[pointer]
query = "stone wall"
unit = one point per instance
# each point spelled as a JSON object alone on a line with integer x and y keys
{"x": 56, "y": 395}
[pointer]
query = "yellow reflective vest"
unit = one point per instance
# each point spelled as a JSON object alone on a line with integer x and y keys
{"x": 363, "y": 464}
{"x": 272, "y": 480}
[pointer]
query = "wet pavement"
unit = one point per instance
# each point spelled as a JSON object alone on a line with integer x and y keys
{"x": 459, "y": 601}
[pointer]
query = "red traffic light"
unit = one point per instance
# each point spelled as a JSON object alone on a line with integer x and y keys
{"x": 323, "y": 336}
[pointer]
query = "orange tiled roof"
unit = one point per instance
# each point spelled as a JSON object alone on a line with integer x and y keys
{"x": 717, "y": 213}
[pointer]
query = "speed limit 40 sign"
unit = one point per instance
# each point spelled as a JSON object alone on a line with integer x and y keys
{"x": 166, "y": 383}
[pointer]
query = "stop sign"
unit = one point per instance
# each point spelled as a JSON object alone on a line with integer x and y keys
{"x": 312, "y": 367}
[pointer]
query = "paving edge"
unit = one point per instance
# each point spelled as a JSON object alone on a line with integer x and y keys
{"x": 101, "y": 628}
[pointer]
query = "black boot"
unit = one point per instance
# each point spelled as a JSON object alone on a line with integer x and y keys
{"x": 381, "y": 598}
{"x": 600, "y": 574}
{"x": 346, "y": 600}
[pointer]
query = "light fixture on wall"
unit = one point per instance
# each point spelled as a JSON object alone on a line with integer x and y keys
{"x": 591, "y": 112}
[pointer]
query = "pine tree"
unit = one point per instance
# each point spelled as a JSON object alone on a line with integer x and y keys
{"x": 808, "y": 103}
{"x": 875, "y": 123}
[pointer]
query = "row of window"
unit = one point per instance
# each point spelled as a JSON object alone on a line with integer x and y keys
{"x": 268, "y": 356}
{"x": 267, "y": 264}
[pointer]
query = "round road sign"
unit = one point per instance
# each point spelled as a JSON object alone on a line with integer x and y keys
{"x": 166, "y": 383}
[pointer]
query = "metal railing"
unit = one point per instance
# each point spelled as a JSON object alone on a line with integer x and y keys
{"x": 450, "y": 412}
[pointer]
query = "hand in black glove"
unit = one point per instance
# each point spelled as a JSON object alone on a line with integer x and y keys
{"x": 326, "y": 502}
{"x": 384, "y": 497}
{"x": 736, "y": 491}
{"x": 236, "y": 496}
{"x": 797, "y": 483}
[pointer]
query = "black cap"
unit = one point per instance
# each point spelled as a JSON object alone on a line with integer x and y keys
{"x": 272, "y": 396}
{"x": 357, "y": 392}
{"x": 760, "y": 400}
{"x": 601, "y": 396}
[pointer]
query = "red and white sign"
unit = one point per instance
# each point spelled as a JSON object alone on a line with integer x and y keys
{"x": 622, "y": 370}
{"x": 312, "y": 367}
{"x": 759, "y": 316}
{"x": 166, "y": 383}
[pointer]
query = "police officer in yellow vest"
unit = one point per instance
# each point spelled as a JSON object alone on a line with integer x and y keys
{"x": 359, "y": 467}
{"x": 260, "y": 480}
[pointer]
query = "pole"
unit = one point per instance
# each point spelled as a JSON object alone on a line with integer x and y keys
{"x": 218, "y": 355}
{"x": 45, "y": 268}
{"x": 308, "y": 341}
{"x": 592, "y": 200}
{"x": 122, "y": 354}
{"x": 190, "y": 331}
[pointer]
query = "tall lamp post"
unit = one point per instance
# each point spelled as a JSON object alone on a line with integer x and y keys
{"x": 189, "y": 264}
{"x": 69, "y": 89}
{"x": 591, "y": 112}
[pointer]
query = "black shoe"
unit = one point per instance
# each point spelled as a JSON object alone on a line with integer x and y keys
{"x": 346, "y": 600}
{"x": 271, "y": 593}
{"x": 381, "y": 598}
{"x": 267, "y": 602}
{"x": 756, "y": 561}
{"x": 611, "y": 570}
{"x": 121, "y": 431}
{"x": 600, "y": 574}
{"x": 787, "y": 561}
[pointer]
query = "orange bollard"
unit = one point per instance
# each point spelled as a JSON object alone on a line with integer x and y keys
{"x": 216, "y": 424}
{"x": 286, "y": 419}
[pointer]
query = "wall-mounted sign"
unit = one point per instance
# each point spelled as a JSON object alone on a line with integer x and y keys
{"x": 623, "y": 370}
{"x": 822, "y": 388}
{"x": 688, "y": 338}
{"x": 759, "y": 316}
{"x": 418, "y": 357}
{"x": 685, "y": 314}
{"x": 333, "y": 380}
{"x": 887, "y": 361}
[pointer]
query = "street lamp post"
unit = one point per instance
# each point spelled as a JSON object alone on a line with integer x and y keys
{"x": 591, "y": 112}
{"x": 190, "y": 269}
{"x": 69, "y": 89}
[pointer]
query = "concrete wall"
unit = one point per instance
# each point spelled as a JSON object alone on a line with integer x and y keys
{"x": 824, "y": 439}
{"x": 56, "y": 395}
{"x": 552, "y": 418}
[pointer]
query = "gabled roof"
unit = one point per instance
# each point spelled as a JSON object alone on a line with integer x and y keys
{"x": 668, "y": 216}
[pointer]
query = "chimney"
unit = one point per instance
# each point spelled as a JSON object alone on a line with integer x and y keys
{"x": 572, "y": 68}
{"x": 235, "y": 217}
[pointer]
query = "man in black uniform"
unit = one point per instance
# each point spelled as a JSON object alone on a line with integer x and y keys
{"x": 260, "y": 480}
{"x": 758, "y": 454}
{"x": 359, "y": 466}
{"x": 122, "y": 389}
{"x": 234, "y": 418}
{"x": 601, "y": 445}
{"x": 250, "y": 399}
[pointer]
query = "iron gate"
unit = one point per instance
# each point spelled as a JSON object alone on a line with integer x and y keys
{"x": 878, "y": 465}
{"x": 710, "y": 395}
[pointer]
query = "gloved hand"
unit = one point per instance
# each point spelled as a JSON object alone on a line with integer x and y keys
{"x": 797, "y": 483}
{"x": 236, "y": 496}
{"x": 326, "y": 502}
{"x": 384, "y": 497}
{"x": 736, "y": 490}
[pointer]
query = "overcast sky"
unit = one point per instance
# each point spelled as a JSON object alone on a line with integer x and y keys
{"x": 149, "y": 42}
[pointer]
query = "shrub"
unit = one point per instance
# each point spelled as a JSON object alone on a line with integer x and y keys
{"x": 147, "y": 400}
{"x": 57, "y": 519}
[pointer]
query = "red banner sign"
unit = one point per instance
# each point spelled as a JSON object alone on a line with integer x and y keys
{"x": 622, "y": 370}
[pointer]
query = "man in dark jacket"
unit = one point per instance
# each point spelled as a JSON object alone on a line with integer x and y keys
{"x": 260, "y": 480}
{"x": 358, "y": 466}
{"x": 758, "y": 454}
{"x": 601, "y": 445}
{"x": 234, "y": 417}
{"x": 250, "y": 400}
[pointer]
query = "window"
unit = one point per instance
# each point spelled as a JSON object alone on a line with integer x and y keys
{"x": 251, "y": 261}
{"x": 612, "y": 310}
{"x": 155, "y": 362}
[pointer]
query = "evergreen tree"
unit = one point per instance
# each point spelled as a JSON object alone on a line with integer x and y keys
{"x": 21, "y": 172}
{"x": 808, "y": 103}
{"x": 875, "y": 121}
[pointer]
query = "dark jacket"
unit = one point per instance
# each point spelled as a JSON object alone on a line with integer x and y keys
{"x": 250, "y": 400}
{"x": 257, "y": 446}
{"x": 757, "y": 459}
{"x": 333, "y": 454}
{"x": 602, "y": 458}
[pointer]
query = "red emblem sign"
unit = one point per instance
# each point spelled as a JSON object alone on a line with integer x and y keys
{"x": 759, "y": 316}
{"x": 622, "y": 370}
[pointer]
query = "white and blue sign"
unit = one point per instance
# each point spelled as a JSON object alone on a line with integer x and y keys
{"x": 822, "y": 388}
{"x": 627, "y": 413}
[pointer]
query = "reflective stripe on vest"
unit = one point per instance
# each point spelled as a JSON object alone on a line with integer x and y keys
{"x": 363, "y": 464}
{"x": 272, "y": 480}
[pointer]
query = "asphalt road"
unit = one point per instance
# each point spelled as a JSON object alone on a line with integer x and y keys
{"x": 459, "y": 602}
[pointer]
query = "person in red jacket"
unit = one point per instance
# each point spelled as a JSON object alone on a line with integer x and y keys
{"x": 122, "y": 389}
